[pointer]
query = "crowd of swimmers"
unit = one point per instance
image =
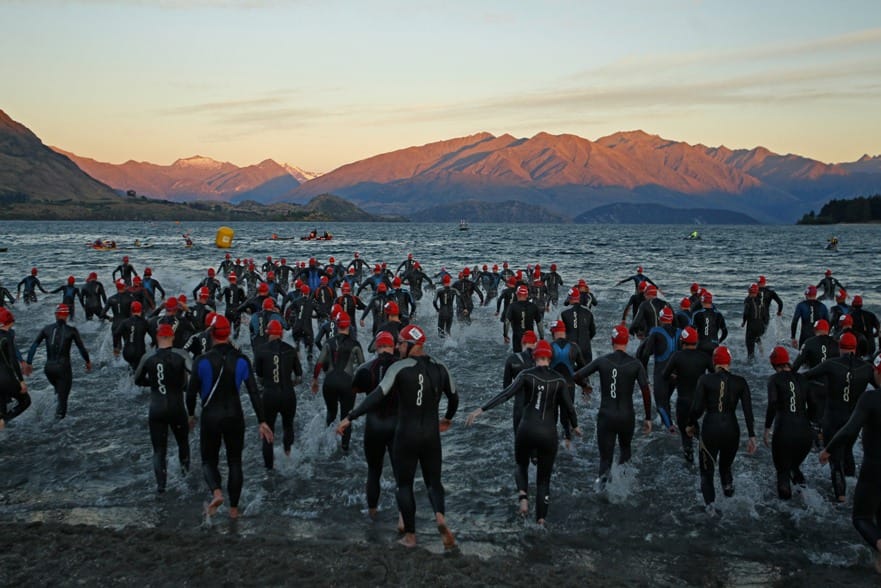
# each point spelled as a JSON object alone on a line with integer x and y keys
{"x": 184, "y": 350}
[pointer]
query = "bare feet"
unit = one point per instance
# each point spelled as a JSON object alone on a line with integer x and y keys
{"x": 408, "y": 540}
{"x": 524, "y": 505}
{"x": 842, "y": 499}
{"x": 400, "y": 524}
{"x": 541, "y": 522}
{"x": 215, "y": 503}
{"x": 2, "y": 424}
{"x": 446, "y": 536}
{"x": 371, "y": 512}
{"x": 233, "y": 512}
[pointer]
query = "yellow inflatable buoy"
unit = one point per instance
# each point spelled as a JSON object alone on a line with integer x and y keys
{"x": 224, "y": 237}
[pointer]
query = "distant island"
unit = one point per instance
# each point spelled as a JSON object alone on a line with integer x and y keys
{"x": 657, "y": 214}
{"x": 851, "y": 210}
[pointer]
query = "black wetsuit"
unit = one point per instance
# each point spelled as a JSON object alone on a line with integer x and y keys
{"x": 766, "y": 297}
{"x": 274, "y": 363}
{"x": 233, "y": 297}
{"x": 754, "y": 325}
{"x": 338, "y": 359}
{"x": 553, "y": 281}
{"x": 379, "y": 430}
{"x": 716, "y": 397}
{"x": 867, "y": 497}
{"x": 59, "y": 336}
{"x": 660, "y": 343}
{"x": 217, "y": 377}
{"x": 419, "y": 383}
{"x": 516, "y": 363}
{"x": 813, "y": 352}
{"x": 444, "y": 301}
{"x": 93, "y": 298}
{"x": 132, "y": 331}
{"x": 846, "y": 379}
{"x": 522, "y": 316}
{"x": 30, "y": 284}
{"x": 646, "y": 316}
{"x": 545, "y": 393}
{"x": 299, "y": 315}
{"x": 866, "y": 324}
{"x": 468, "y": 289}
{"x": 166, "y": 372}
{"x": 711, "y": 329}
{"x": 11, "y": 378}
{"x": 374, "y": 308}
{"x": 580, "y": 328}
{"x": 504, "y": 301}
{"x": 126, "y": 271}
{"x": 121, "y": 306}
{"x": 790, "y": 410}
{"x": 827, "y": 287}
{"x": 683, "y": 372}
{"x": 619, "y": 373}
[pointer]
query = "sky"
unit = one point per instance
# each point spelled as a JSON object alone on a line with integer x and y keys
{"x": 321, "y": 83}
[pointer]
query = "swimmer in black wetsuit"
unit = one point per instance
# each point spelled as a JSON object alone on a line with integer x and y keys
{"x": 166, "y": 372}
{"x": 444, "y": 301}
{"x": 709, "y": 324}
{"x": 752, "y": 323}
{"x": 93, "y": 296}
{"x": 545, "y": 392}
{"x": 30, "y": 283}
{"x": 717, "y": 396}
{"x": 865, "y": 323}
{"x": 216, "y": 379}
{"x": 516, "y": 363}
{"x": 120, "y": 305}
{"x": 59, "y": 336}
{"x": 133, "y": 331}
{"x": 867, "y": 497}
{"x": 338, "y": 359}
{"x": 379, "y": 430}
{"x": 580, "y": 324}
{"x": 846, "y": 377}
{"x": 12, "y": 384}
{"x": 791, "y": 408}
{"x": 766, "y": 297}
{"x": 646, "y": 317}
{"x": 522, "y": 315}
{"x": 619, "y": 373}
{"x": 682, "y": 372}
{"x": 566, "y": 359}
{"x": 828, "y": 284}
{"x": 275, "y": 362}
{"x": 638, "y": 278}
{"x": 419, "y": 381}
{"x": 125, "y": 270}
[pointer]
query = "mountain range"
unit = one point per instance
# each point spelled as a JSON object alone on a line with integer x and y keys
{"x": 197, "y": 178}
{"x": 495, "y": 177}
{"x": 37, "y": 182}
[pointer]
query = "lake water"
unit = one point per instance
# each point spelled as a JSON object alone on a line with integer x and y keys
{"x": 95, "y": 466}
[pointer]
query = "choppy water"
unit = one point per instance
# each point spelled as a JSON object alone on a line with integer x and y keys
{"x": 95, "y": 466}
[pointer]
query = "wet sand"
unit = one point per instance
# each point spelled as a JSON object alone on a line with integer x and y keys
{"x": 56, "y": 554}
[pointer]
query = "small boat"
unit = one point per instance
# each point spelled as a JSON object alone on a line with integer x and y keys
{"x": 694, "y": 236}
{"x": 314, "y": 236}
{"x": 103, "y": 245}
{"x": 832, "y": 244}
{"x": 463, "y": 225}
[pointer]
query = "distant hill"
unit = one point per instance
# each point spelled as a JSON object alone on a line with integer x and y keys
{"x": 854, "y": 210}
{"x": 196, "y": 178}
{"x": 568, "y": 175}
{"x": 511, "y": 211}
{"x": 33, "y": 174}
{"x": 656, "y": 214}
{"x": 37, "y": 182}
